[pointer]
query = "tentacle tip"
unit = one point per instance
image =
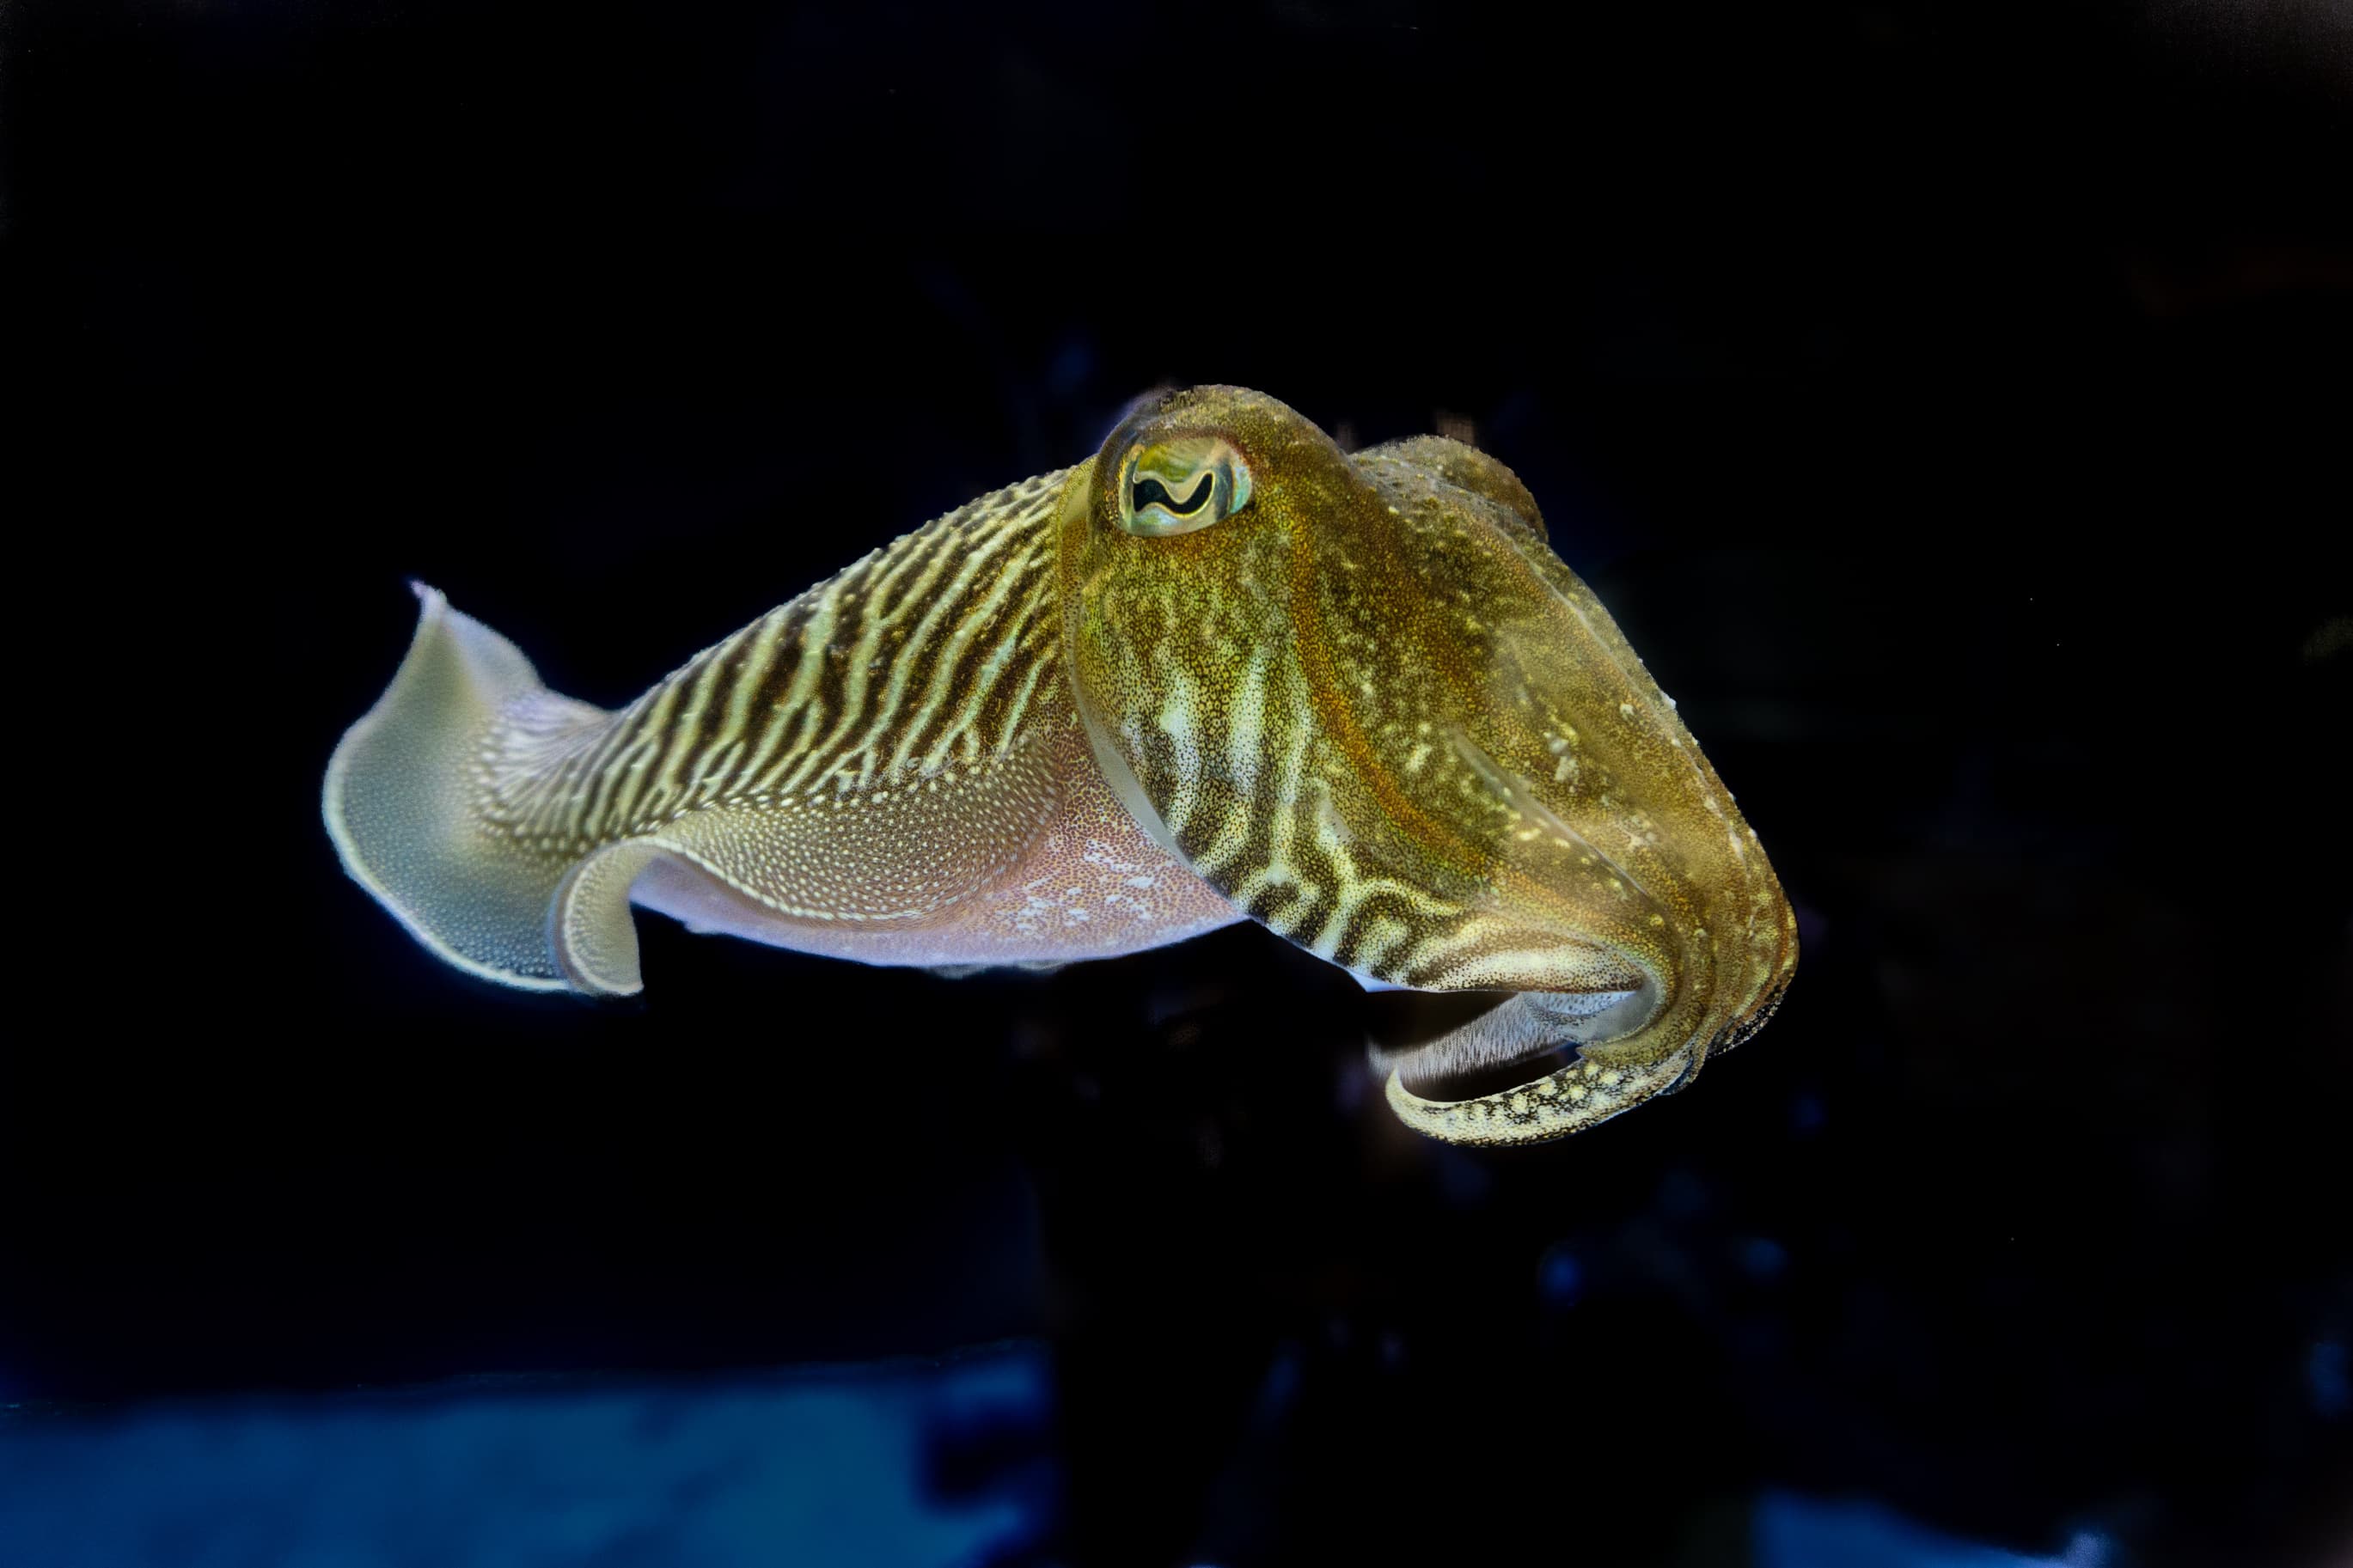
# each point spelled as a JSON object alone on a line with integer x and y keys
{"x": 1570, "y": 1100}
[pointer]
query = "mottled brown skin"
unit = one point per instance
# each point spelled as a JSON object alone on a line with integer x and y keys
{"x": 1373, "y": 708}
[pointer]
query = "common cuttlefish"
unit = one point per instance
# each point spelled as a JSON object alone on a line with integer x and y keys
{"x": 1222, "y": 669}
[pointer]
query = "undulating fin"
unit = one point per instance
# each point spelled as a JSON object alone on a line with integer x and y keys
{"x": 966, "y": 971}
{"x": 406, "y": 788}
{"x": 589, "y": 927}
{"x": 844, "y": 774}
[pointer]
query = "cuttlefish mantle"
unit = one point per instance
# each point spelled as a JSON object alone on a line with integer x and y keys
{"x": 1220, "y": 670}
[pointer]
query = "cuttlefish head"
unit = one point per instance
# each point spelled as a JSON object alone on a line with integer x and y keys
{"x": 1361, "y": 698}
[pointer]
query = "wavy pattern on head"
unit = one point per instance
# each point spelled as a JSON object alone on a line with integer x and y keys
{"x": 1364, "y": 701}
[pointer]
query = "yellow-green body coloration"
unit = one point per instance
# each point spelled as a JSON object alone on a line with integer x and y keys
{"x": 1224, "y": 669}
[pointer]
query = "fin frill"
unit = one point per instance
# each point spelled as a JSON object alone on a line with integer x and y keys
{"x": 406, "y": 803}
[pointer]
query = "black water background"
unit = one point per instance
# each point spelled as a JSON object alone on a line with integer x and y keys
{"x": 1950, "y": 402}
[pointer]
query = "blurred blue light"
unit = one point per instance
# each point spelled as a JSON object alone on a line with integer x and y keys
{"x": 822, "y": 1470}
{"x": 1560, "y": 1278}
{"x": 2326, "y": 1374}
{"x": 1763, "y": 1258}
{"x": 1074, "y": 366}
{"x": 1792, "y": 1531}
{"x": 1280, "y": 1388}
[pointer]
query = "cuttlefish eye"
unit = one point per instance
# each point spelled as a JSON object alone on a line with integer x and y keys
{"x": 1175, "y": 487}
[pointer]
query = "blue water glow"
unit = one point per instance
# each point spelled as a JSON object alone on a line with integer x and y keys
{"x": 821, "y": 1469}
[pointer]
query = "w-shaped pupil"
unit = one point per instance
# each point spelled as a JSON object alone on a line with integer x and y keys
{"x": 1150, "y": 492}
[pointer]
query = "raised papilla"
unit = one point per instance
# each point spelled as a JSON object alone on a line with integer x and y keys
{"x": 1220, "y": 669}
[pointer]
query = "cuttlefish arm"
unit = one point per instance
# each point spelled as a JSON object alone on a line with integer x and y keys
{"x": 1220, "y": 670}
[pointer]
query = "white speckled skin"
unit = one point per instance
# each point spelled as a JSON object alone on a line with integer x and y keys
{"x": 1091, "y": 884}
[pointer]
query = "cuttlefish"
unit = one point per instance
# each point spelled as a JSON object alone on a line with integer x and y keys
{"x": 1221, "y": 670}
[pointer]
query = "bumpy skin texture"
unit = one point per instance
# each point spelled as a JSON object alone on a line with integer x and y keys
{"x": 1222, "y": 669}
{"x": 1377, "y": 712}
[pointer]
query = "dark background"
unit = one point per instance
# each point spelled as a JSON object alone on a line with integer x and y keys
{"x": 1950, "y": 401}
